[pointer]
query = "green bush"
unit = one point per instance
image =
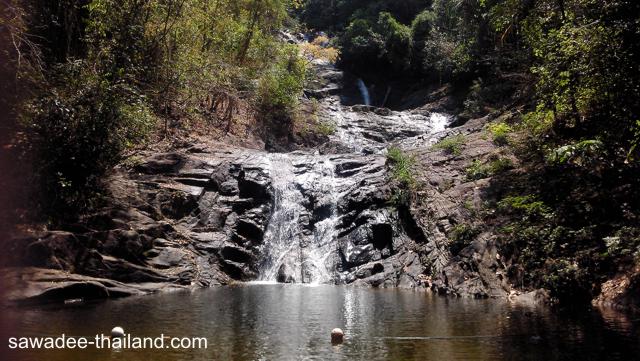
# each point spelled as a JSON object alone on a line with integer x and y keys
{"x": 279, "y": 90}
{"x": 421, "y": 28}
{"x": 79, "y": 134}
{"x": 326, "y": 128}
{"x": 452, "y": 144}
{"x": 583, "y": 153}
{"x": 528, "y": 205}
{"x": 539, "y": 122}
{"x": 461, "y": 236}
{"x": 397, "y": 42}
{"x": 624, "y": 243}
{"x": 402, "y": 172}
{"x": 500, "y": 132}
{"x": 401, "y": 165}
{"x": 478, "y": 170}
{"x": 370, "y": 46}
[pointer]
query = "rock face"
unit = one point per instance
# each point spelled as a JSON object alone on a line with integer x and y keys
{"x": 210, "y": 214}
{"x": 209, "y": 217}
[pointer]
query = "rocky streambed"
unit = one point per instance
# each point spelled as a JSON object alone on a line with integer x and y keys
{"x": 206, "y": 214}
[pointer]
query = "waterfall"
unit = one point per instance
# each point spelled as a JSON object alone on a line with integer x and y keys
{"x": 282, "y": 236}
{"x": 439, "y": 122}
{"x": 291, "y": 255}
{"x": 366, "y": 99}
{"x": 315, "y": 267}
{"x": 300, "y": 243}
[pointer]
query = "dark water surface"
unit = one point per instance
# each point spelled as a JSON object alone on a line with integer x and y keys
{"x": 293, "y": 322}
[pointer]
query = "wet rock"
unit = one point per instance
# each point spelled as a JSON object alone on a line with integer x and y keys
{"x": 253, "y": 183}
{"x": 382, "y": 235}
{"x": 285, "y": 274}
{"x": 353, "y": 255}
{"x": 235, "y": 254}
{"x": 249, "y": 229}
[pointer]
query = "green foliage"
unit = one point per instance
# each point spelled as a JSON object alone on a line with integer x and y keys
{"x": 401, "y": 165}
{"x": 583, "y": 153}
{"x": 335, "y": 15}
{"x": 624, "y": 243}
{"x": 500, "y": 132}
{"x": 113, "y": 67}
{"x": 421, "y": 28}
{"x": 587, "y": 70}
{"x": 360, "y": 42}
{"x": 280, "y": 86}
{"x": 473, "y": 103}
{"x": 478, "y": 170}
{"x": 397, "y": 42}
{"x": 461, "y": 236}
{"x": 402, "y": 172}
{"x": 451, "y": 144}
{"x": 383, "y": 44}
{"x": 527, "y": 205}
{"x": 539, "y": 122}
{"x": 326, "y": 128}
{"x": 79, "y": 132}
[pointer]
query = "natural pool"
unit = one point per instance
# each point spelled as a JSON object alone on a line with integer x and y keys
{"x": 293, "y": 322}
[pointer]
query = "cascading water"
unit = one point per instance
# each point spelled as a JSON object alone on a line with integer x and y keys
{"x": 300, "y": 243}
{"x": 293, "y": 255}
{"x": 282, "y": 236}
{"x": 315, "y": 267}
{"x": 364, "y": 91}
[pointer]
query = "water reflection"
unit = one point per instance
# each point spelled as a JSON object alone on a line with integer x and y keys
{"x": 292, "y": 322}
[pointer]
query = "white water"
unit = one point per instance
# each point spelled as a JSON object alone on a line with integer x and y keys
{"x": 283, "y": 233}
{"x": 364, "y": 91}
{"x": 325, "y": 233}
{"x": 304, "y": 258}
{"x": 300, "y": 246}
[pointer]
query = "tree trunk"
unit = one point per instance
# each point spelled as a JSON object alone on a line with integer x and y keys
{"x": 247, "y": 40}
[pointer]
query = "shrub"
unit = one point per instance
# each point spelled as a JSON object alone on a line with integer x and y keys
{"x": 539, "y": 122}
{"x": 79, "y": 133}
{"x": 585, "y": 152}
{"x": 452, "y": 144}
{"x": 421, "y": 28}
{"x": 402, "y": 172}
{"x": 473, "y": 103}
{"x": 319, "y": 49}
{"x": 326, "y": 127}
{"x": 500, "y": 133}
{"x": 401, "y": 164}
{"x": 281, "y": 85}
{"x": 397, "y": 42}
{"x": 461, "y": 236}
{"x": 478, "y": 170}
{"x": 383, "y": 44}
{"x": 528, "y": 205}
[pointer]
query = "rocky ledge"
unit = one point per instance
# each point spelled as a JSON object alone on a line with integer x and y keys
{"x": 196, "y": 217}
